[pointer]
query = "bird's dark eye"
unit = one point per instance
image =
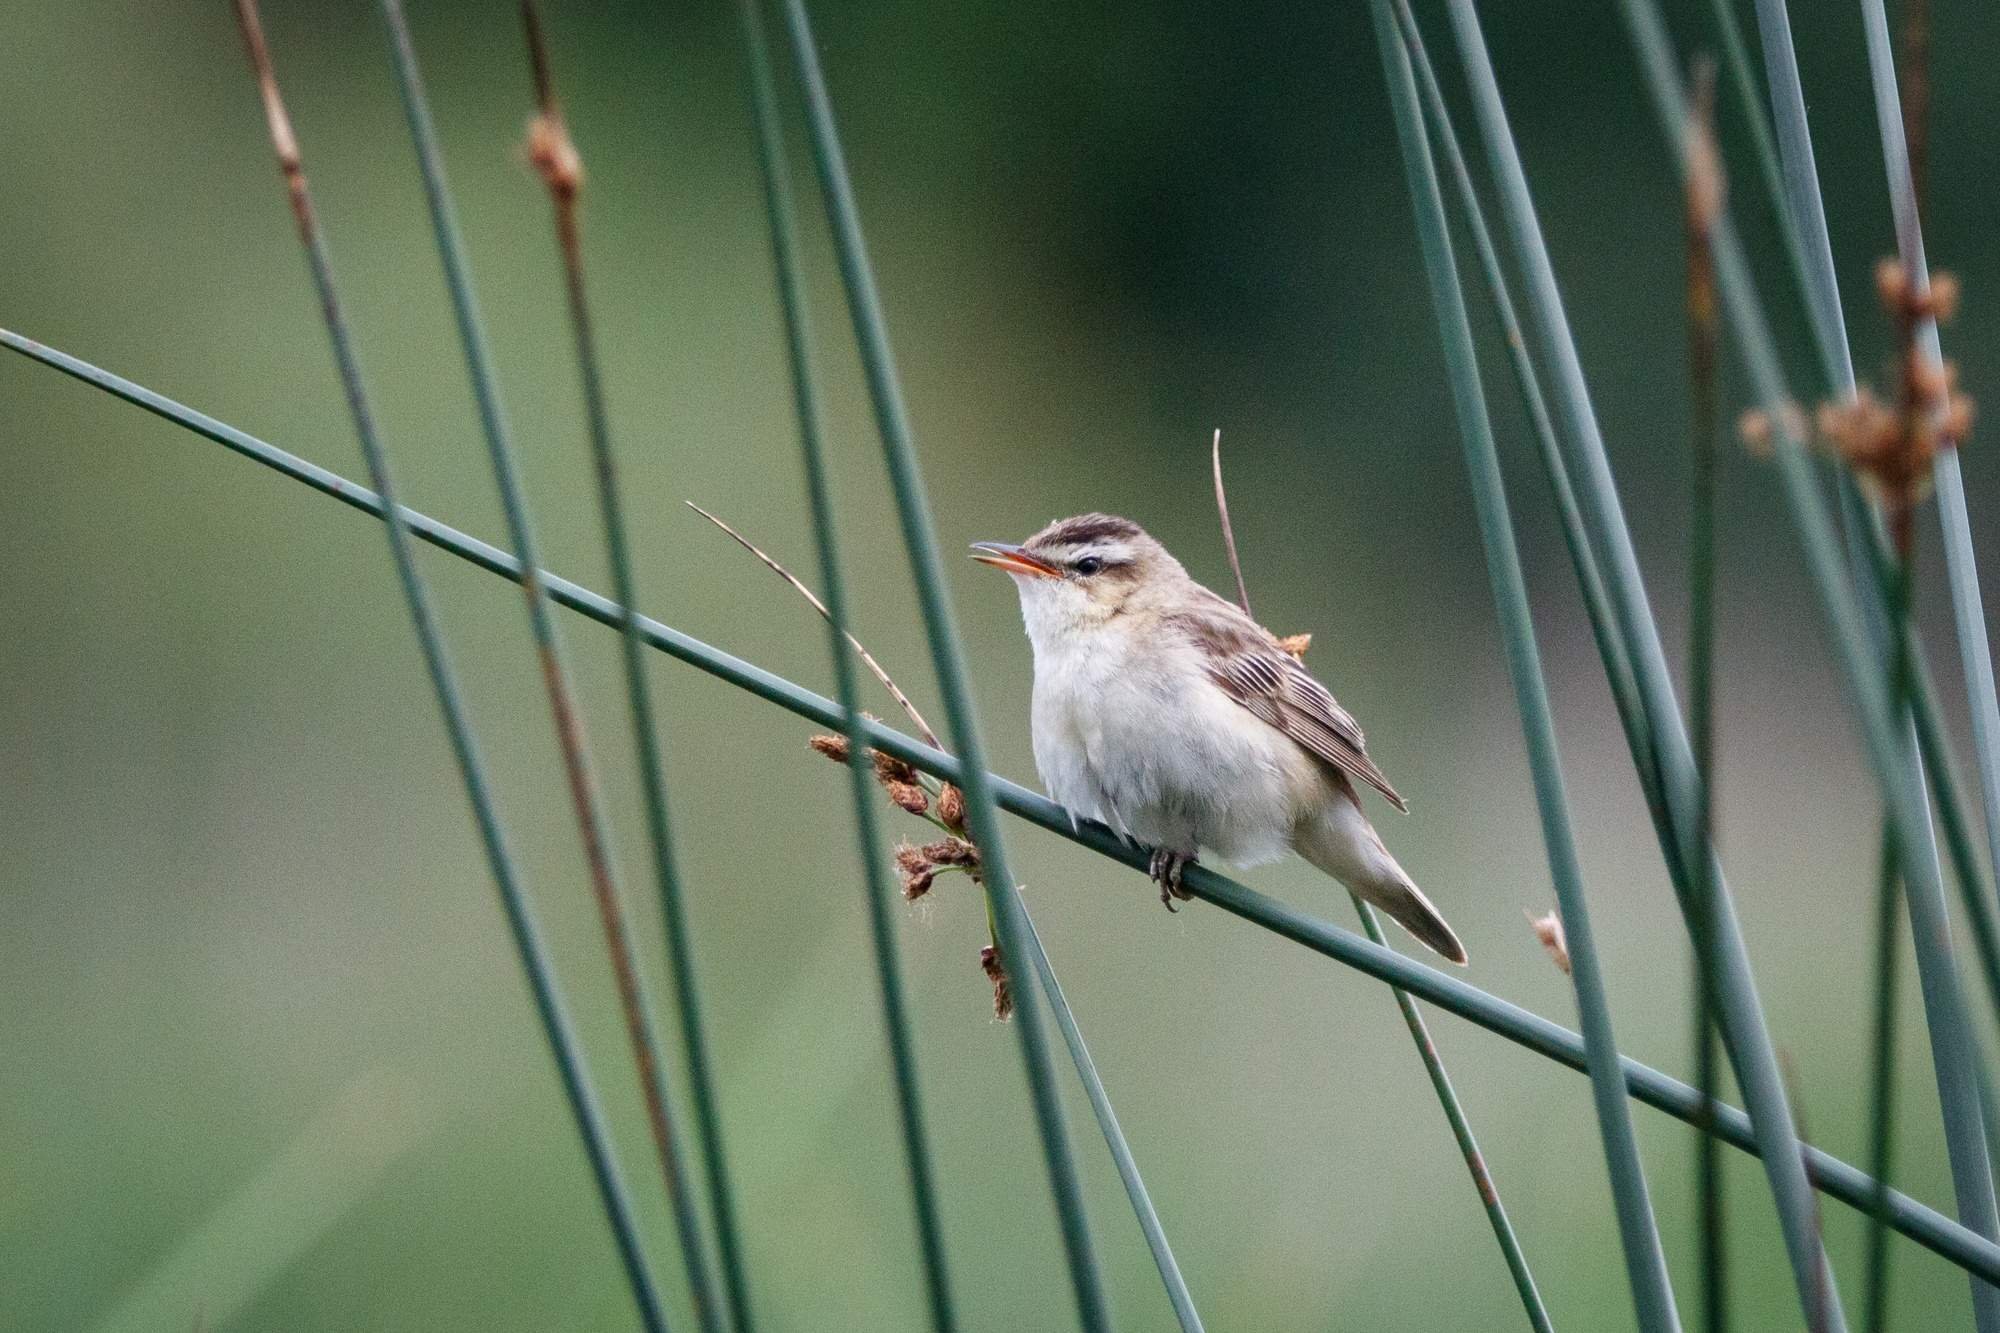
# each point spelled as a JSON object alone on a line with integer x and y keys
{"x": 1087, "y": 566}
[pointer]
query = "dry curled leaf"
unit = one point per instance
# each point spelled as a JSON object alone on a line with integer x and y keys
{"x": 1548, "y": 929}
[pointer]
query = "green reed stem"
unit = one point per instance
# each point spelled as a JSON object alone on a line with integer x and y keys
{"x": 1461, "y": 1131}
{"x": 528, "y": 942}
{"x": 1838, "y": 1179}
{"x": 1704, "y": 196}
{"x": 947, "y": 657}
{"x": 1114, "y": 1138}
{"x": 1750, "y": 102}
{"x": 578, "y": 771}
{"x": 1882, "y": 1083}
{"x": 1961, "y": 569}
{"x": 1645, "y": 1261}
{"x": 876, "y": 887}
{"x": 591, "y": 819}
{"x": 1886, "y": 730}
{"x": 1746, "y": 1030}
{"x": 562, "y": 172}
{"x": 1952, "y": 1045}
{"x": 1590, "y": 581}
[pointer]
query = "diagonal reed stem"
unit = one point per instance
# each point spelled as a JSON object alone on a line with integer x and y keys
{"x": 1645, "y": 1261}
{"x": 875, "y": 885}
{"x": 1980, "y": 904}
{"x": 1746, "y": 1032}
{"x": 1925, "y": 1225}
{"x": 528, "y": 941}
{"x": 1704, "y": 199}
{"x": 947, "y": 657}
{"x": 561, "y": 169}
{"x": 1882, "y": 1084}
{"x": 1114, "y": 1138}
{"x": 1961, "y": 570}
{"x": 1413, "y": 1018}
{"x": 1461, "y": 1132}
{"x": 592, "y": 824}
{"x": 1952, "y": 1046}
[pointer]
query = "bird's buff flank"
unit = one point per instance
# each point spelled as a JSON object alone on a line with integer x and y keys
{"x": 1169, "y": 714}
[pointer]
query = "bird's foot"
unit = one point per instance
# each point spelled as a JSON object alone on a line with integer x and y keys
{"x": 1166, "y": 869}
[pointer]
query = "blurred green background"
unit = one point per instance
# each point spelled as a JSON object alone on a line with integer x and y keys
{"x": 270, "y": 1058}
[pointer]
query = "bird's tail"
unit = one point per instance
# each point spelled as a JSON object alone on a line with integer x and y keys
{"x": 1344, "y": 844}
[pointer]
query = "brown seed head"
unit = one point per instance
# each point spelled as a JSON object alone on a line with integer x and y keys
{"x": 889, "y": 769}
{"x": 996, "y": 972}
{"x": 833, "y": 747}
{"x": 1295, "y": 645}
{"x": 951, "y": 808}
{"x": 951, "y": 852}
{"x": 908, "y": 796}
{"x": 1892, "y": 285}
{"x": 1943, "y": 297}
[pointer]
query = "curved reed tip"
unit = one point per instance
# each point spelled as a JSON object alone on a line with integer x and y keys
{"x": 1548, "y": 929}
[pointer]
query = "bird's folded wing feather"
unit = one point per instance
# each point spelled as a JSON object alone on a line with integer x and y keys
{"x": 1246, "y": 662}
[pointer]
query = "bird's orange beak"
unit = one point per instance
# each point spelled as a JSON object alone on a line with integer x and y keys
{"x": 1013, "y": 559}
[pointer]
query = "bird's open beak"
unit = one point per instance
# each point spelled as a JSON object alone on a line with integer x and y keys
{"x": 1013, "y": 559}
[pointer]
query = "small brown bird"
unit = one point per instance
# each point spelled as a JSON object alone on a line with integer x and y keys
{"x": 1169, "y": 714}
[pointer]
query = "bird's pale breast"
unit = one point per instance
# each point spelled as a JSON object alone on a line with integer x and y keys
{"x": 1130, "y": 730}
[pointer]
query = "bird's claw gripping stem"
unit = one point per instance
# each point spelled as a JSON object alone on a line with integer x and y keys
{"x": 1166, "y": 869}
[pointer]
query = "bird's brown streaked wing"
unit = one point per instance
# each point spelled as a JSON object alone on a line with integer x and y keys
{"x": 1278, "y": 690}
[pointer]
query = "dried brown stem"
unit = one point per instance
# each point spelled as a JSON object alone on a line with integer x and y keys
{"x": 867, "y": 658}
{"x": 1228, "y": 533}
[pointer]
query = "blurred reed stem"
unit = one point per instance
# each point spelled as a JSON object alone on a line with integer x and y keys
{"x": 1420, "y": 1033}
{"x": 528, "y": 941}
{"x": 1704, "y": 193}
{"x": 1898, "y": 756}
{"x": 1645, "y": 1261}
{"x": 1114, "y": 1138}
{"x": 877, "y": 889}
{"x": 1746, "y": 1031}
{"x": 555, "y": 158}
{"x": 947, "y": 657}
{"x": 1962, "y": 573}
{"x": 1929, "y": 1228}
{"x": 578, "y": 770}
{"x": 1882, "y": 1084}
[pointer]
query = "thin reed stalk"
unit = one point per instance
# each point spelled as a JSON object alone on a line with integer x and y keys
{"x": 1704, "y": 200}
{"x": 1864, "y": 532}
{"x": 578, "y": 771}
{"x": 1590, "y": 581}
{"x": 1961, "y": 569}
{"x": 1645, "y": 1260}
{"x": 876, "y": 887}
{"x": 947, "y": 657}
{"x": 1958, "y": 1061}
{"x": 1836, "y": 1178}
{"x": 1746, "y": 1032}
{"x": 1882, "y": 1084}
{"x": 555, "y": 158}
{"x": 1952, "y": 1046}
{"x": 549, "y": 1004}
{"x": 1114, "y": 1138}
{"x": 1420, "y": 1033}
